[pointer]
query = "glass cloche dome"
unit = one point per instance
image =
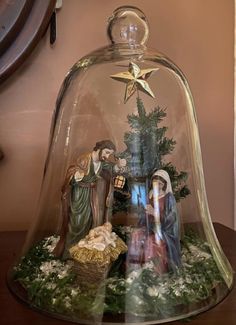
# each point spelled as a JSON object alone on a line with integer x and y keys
{"x": 123, "y": 233}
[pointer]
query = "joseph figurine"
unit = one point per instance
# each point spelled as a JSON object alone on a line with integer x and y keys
{"x": 87, "y": 194}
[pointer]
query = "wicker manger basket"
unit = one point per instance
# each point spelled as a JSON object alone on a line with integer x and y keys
{"x": 92, "y": 265}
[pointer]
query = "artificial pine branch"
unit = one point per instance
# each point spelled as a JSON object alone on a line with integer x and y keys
{"x": 147, "y": 146}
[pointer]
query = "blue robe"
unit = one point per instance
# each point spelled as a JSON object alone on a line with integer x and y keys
{"x": 170, "y": 229}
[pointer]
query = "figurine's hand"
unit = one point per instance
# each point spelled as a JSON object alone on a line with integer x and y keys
{"x": 121, "y": 162}
{"x": 78, "y": 176}
{"x": 149, "y": 209}
{"x": 120, "y": 165}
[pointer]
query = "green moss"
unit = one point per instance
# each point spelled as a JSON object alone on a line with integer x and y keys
{"x": 52, "y": 284}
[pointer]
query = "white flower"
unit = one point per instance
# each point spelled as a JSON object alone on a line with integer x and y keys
{"x": 160, "y": 296}
{"x": 62, "y": 273}
{"x": 129, "y": 280}
{"x": 47, "y": 268}
{"x": 148, "y": 266}
{"x": 51, "y": 286}
{"x": 198, "y": 253}
{"x": 158, "y": 291}
{"x": 133, "y": 275}
{"x": 152, "y": 291}
{"x": 111, "y": 286}
{"x": 137, "y": 300}
{"x": 39, "y": 278}
{"x": 187, "y": 265}
{"x": 188, "y": 279}
{"x": 126, "y": 230}
{"x": 67, "y": 302}
{"x": 182, "y": 287}
{"x": 205, "y": 255}
{"x": 51, "y": 243}
{"x": 74, "y": 292}
{"x": 54, "y": 266}
{"x": 180, "y": 281}
{"x": 183, "y": 258}
{"x": 177, "y": 292}
{"x": 162, "y": 289}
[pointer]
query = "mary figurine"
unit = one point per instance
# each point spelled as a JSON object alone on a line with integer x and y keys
{"x": 157, "y": 237}
{"x": 163, "y": 217}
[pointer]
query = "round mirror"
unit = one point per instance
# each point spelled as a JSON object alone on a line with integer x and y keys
{"x": 22, "y": 24}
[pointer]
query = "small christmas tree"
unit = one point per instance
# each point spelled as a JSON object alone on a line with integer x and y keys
{"x": 147, "y": 146}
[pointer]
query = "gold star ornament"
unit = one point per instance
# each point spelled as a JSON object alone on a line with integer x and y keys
{"x": 135, "y": 79}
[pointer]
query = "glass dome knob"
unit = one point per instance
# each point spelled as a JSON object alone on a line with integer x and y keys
{"x": 128, "y": 25}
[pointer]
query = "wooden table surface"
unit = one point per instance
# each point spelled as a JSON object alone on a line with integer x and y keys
{"x": 13, "y": 312}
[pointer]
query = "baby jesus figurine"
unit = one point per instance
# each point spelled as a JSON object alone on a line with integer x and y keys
{"x": 94, "y": 254}
{"x": 99, "y": 238}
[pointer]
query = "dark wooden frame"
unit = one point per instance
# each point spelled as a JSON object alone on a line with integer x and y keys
{"x": 22, "y": 23}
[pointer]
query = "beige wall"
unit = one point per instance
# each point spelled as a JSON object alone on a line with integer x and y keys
{"x": 196, "y": 34}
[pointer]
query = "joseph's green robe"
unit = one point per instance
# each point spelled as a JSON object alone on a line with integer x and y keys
{"x": 87, "y": 200}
